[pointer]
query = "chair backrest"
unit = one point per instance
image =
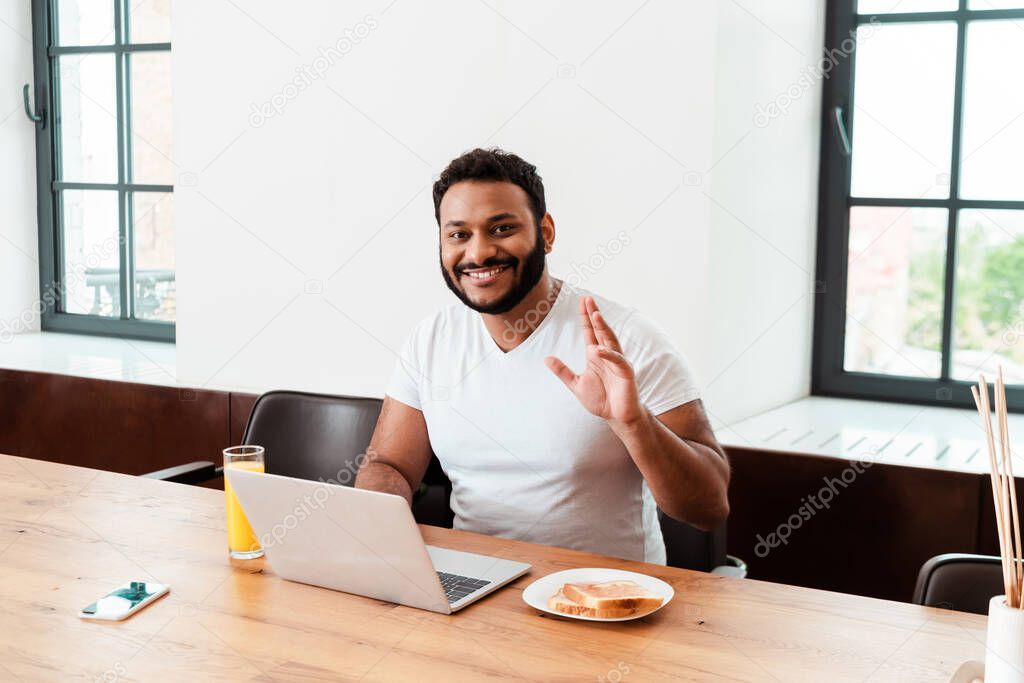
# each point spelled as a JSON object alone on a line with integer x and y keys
{"x": 687, "y": 547}
{"x": 312, "y": 436}
{"x": 959, "y": 581}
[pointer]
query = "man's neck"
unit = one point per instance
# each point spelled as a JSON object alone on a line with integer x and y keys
{"x": 509, "y": 330}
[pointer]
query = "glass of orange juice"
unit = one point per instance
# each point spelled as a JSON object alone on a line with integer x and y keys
{"x": 242, "y": 542}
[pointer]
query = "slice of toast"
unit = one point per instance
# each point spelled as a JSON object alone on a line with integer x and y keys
{"x": 611, "y": 595}
{"x": 560, "y": 603}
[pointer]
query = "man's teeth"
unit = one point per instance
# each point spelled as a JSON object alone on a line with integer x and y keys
{"x": 484, "y": 274}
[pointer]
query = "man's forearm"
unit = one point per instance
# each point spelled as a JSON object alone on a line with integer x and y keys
{"x": 379, "y": 476}
{"x": 689, "y": 480}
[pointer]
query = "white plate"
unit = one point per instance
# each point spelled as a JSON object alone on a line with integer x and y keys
{"x": 969, "y": 672}
{"x": 538, "y": 593}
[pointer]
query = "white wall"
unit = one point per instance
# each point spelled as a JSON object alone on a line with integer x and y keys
{"x": 340, "y": 179}
{"x": 306, "y": 240}
{"x": 19, "y": 254}
{"x": 764, "y": 209}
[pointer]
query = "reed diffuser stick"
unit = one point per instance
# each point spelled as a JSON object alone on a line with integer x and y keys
{"x": 1004, "y": 489}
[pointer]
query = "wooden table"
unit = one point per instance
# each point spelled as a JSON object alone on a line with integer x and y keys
{"x": 69, "y": 534}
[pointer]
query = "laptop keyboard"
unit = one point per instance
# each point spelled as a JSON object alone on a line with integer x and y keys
{"x": 457, "y": 587}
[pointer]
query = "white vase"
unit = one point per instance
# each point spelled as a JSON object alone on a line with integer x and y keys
{"x": 1004, "y": 647}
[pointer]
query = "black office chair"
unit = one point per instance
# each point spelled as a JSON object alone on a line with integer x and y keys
{"x": 959, "y": 581}
{"x": 687, "y": 547}
{"x": 312, "y": 436}
{"x": 321, "y": 438}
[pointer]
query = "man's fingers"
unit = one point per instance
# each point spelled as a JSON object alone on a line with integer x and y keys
{"x": 604, "y": 332}
{"x": 561, "y": 371}
{"x": 588, "y": 327}
{"x": 620, "y": 365}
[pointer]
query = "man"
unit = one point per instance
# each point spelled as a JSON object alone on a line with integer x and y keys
{"x": 534, "y": 450}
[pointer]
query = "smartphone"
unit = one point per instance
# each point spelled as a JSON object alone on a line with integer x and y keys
{"x": 124, "y": 601}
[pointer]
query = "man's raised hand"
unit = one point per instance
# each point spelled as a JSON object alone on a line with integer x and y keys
{"x": 607, "y": 385}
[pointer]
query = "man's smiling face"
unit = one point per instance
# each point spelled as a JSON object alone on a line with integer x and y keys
{"x": 492, "y": 250}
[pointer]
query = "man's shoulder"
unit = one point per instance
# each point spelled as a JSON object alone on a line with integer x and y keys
{"x": 608, "y": 307}
{"x": 447, "y": 319}
{"x": 617, "y": 314}
{"x": 636, "y": 331}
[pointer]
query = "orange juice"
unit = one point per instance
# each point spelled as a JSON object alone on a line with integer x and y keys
{"x": 242, "y": 542}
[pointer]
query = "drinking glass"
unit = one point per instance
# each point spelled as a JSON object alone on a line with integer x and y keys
{"x": 242, "y": 541}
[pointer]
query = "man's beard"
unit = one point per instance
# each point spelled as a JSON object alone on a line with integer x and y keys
{"x": 528, "y": 279}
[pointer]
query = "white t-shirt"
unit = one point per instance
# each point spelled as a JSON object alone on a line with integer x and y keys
{"x": 525, "y": 459}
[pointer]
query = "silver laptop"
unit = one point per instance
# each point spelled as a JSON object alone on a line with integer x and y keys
{"x": 361, "y": 542}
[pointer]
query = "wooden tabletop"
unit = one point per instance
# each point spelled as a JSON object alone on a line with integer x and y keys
{"x": 68, "y": 535}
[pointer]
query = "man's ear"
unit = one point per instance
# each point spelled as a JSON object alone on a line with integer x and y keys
{"x": 547, "y": 231}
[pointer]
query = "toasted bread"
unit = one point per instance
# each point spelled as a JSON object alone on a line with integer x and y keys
{"x": 560, "y": 603}
{"x": 612, "y": 595}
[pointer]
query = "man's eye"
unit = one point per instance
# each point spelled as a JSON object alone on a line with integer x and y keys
{"x": 502, "y": 228}
{"x": 456, "y": 235}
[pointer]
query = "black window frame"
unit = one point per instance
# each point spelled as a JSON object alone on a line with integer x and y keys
{"x": 834, "y": 202}
{"x": 46, "y": 77}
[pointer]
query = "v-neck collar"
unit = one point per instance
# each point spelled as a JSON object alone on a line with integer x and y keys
{"x": 493, "y": 345}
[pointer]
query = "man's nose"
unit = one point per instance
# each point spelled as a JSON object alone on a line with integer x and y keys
{"x": 479, "y": 249}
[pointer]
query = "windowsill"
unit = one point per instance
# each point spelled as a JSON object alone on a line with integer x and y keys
{"x": 889, "y": 433}
{"x": 126, "y": 360}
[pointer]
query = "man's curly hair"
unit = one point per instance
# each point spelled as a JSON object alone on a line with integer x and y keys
{"x": 494, "y": 165}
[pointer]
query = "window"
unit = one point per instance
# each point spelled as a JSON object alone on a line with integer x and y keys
{"x": 104, "y": 168}
{"x": 921, "y": 220}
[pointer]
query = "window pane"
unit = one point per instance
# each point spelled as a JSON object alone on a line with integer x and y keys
{"x": 91, "y": 252}
{"x": 895, "y": 291}
{"x": 154, "y": 255}
{"x": 903, "y": 116}
{"x": 993, "y": 134}
{"x": 85, "y": 22}
{"x": 995, "y": 4}
{"x": 889, "y": 6}
{"x": 88, "y": 118}
{"x": 151, "y": 118}
{"x": 989, "y": 317}
{"x": 149, "y": 21}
